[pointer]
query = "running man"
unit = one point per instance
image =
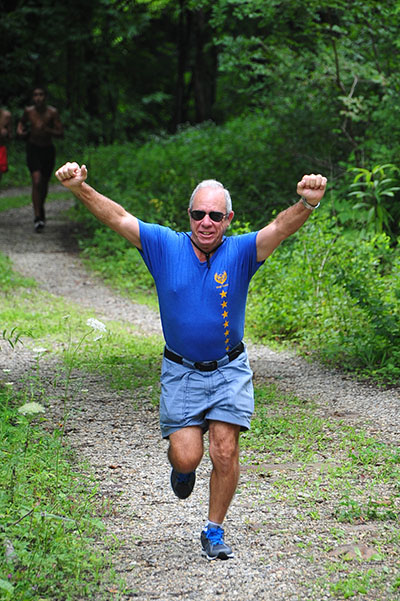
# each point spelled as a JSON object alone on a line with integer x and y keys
{"x": 39, "y": 123}
{"x": 202, "y": 278}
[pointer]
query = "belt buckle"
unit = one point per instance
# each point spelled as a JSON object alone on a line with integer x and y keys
{"x": 206, "y": 365}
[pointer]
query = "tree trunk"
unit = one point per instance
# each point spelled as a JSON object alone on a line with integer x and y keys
{"x": 205, "y": 68}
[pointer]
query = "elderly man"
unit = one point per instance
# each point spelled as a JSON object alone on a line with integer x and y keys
{"x": 202, "y": 279}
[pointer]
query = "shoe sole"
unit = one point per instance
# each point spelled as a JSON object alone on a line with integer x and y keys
{"x": 222, "y": 556}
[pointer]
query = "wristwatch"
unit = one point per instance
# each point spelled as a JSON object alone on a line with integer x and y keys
{"x": 308, "y": 205}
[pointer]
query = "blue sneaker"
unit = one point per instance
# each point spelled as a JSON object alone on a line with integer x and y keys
{"x": 214, "y": 547}
{"x": 182, "y": 484}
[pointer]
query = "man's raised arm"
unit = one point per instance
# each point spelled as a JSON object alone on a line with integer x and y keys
{"x": 73, "y": 177}
{"x": 311, "y": 188}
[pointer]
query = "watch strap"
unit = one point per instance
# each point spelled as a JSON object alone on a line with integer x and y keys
{"x": 309, "y": 206}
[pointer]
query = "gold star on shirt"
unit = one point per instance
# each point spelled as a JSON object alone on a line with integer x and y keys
{"x": 224, "y": 314}
{"x": 224, "y": 304}
{"x": 226, "y": 324}
{"x": 223, "y": 293}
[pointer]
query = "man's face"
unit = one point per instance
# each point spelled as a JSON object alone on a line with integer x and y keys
{"x": 38, "y": 97}
{"x": 206, "y": 232}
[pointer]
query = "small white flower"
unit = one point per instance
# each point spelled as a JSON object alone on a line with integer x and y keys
{"x": 39, "y": 350}
{"x": 96, "y": 324}
{"x": 31, "y": 408}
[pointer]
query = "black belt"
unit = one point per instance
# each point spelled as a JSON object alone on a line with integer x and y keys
{"x": 206, "y": 365}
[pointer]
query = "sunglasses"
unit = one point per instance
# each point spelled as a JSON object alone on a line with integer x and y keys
{"x": 214, "y": 215}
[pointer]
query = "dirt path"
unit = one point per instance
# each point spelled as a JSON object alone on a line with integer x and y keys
{"x": 159, "y": 553}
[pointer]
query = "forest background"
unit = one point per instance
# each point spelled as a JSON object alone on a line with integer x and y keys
{"x": 157, "y": 95}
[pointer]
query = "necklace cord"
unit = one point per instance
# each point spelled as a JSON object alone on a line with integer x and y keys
{"x": 207, "y": 254}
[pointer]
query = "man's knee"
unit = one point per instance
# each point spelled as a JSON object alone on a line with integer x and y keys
{"x": 36, "y": 178}
{"x": 224, "y": 445}
{"x": 186, "y": 449}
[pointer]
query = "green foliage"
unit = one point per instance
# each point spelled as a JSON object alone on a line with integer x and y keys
{"x": 12, "y": 337}
{"x": 9, "y": 279}
{"x": 326, "y": 73}
{"x": 154, "y": 181}
{"x": 335, "y": 295}
{"x": 117, "y": 262}
{"x": 353, "y": 584}
{"x": 353, "y": 511}
{"x": 375, "y": 192}
{"x": 47, "y": 529}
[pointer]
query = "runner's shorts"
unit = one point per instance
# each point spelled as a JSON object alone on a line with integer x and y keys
{"x": 192, "y": 398}
{"x": 3, "y": 159}
{"x": 41, "y": 158}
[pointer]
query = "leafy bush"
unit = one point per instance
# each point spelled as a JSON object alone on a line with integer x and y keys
{"x": 334, "y": 295}
{"x": 155, "y": 181}
{"x": 370, "y": 202}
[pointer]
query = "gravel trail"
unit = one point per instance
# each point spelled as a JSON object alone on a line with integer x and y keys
{"x": 159, "y": 550}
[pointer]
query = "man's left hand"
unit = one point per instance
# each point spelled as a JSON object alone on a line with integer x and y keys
{"x": 312, "y": 187}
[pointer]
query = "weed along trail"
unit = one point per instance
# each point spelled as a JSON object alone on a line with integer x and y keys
{"x": 316, "y": 514}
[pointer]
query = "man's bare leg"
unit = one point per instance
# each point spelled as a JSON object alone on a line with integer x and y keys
{"x": 224, "y": 453}
{"x": 185, "y": 453}
{"x": 36, "y": 193}
{"x": 44, "y": 188}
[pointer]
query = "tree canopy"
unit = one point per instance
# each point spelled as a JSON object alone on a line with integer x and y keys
{"x": 327, "y": 71}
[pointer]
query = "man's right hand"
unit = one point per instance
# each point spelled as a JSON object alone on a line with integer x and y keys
{"x": 71, "y": 175}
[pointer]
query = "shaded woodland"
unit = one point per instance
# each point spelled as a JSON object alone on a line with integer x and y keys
{"x": 327, "y": 71}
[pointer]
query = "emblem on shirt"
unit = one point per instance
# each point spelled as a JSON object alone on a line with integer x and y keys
{"x": 220, "y": 278}
{"x": 222, "y": 287}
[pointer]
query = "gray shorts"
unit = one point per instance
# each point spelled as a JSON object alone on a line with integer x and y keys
{"x": 191, "y": 398}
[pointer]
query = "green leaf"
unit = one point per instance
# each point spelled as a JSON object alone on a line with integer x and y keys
{"x": 6, "y": 586}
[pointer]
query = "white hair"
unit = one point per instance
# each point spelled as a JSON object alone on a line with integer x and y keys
{"x": 212, "y": 183}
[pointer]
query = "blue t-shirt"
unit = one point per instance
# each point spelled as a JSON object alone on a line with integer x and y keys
{"x": 202, "y": 308}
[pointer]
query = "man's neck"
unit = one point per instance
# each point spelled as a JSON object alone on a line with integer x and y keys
{"x": 204, "y": 254}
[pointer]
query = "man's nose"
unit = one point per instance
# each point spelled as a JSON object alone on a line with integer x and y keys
{"x": 207, "y": 220}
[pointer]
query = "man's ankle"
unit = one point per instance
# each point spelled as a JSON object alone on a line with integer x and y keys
{"x": 211, "y": 524}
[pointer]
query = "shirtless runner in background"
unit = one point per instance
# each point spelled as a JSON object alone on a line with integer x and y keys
{"x": 5, "y": 136}
{"x": 39, "y": 123}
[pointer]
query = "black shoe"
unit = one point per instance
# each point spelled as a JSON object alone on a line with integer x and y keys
{"x": 38, "y": 224}
{"x": 182, "y": 484}
{"x": 214, "y": 547}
